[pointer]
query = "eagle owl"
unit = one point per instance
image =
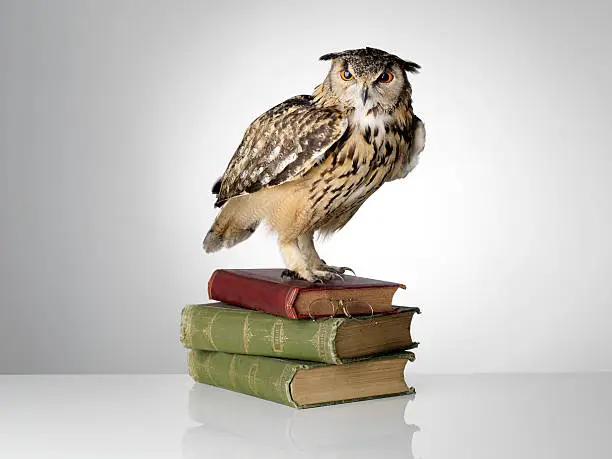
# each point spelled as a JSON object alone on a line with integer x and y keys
{"x": 309, "y": 163}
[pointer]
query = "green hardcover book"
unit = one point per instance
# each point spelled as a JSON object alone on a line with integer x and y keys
{"x": 302, "y": 384}
{"x": 221, "y": 327}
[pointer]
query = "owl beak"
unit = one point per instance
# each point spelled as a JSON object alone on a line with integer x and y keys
{"x": 364, "y": 94}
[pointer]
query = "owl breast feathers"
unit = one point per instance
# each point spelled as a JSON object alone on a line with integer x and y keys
{"x": 308, "y": 164}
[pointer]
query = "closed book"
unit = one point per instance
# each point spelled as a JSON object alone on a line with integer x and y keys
{"x": 302, "y": 384}
{"x": 266, "y": 290}
{"x": 335, "y": 340}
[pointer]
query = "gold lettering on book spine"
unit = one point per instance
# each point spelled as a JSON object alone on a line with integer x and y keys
{"x": 208, "y": 327}
{"x": 246, "y": 333}
{"x": 252, "y": 378}
{"x": 232, "y": 371}
{"x": 278, "y": 336}
{"x": 206, "y": 365}
{"x": 281, "y": 385}
{"x": 320, "y": 340}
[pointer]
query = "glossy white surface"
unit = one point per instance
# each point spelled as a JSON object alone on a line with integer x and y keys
{"x": 488, "y": 416}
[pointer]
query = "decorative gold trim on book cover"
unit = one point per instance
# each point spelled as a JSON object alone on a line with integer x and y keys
{"x": 234, "y": 330}
{"x": 263, "y": 377}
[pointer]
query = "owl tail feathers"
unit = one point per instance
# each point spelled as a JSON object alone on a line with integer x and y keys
{"x": 212, "y": 242}
{"x": 234, "y": 224}
{"x": 215, "y": 241}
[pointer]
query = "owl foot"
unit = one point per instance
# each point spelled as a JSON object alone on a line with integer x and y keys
{"x": 327, "y": 274}
{"x": 305, "y": 276}
{"x": 314, "y": 276}
{"x": 288, "y": 274}
{"x": 339, "y": 269}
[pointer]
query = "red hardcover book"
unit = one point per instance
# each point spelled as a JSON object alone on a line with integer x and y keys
{"x": 265, "y": 290}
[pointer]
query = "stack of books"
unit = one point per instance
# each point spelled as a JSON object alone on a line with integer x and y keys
{"x": 298, "y": 343}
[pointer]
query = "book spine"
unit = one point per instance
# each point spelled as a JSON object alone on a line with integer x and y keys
{"x": 242, "y": 331}
{"x": 261, "y": 377}
{"x": 273, "y": 298}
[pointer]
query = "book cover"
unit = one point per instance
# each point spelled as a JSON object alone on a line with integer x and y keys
{"x": 266, "y": 290}
{"x": 221, "y": 327}
{"x": 273, "y": 379}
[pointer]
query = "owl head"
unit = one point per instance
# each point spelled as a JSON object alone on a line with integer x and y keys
{"x": 368, "y": 78}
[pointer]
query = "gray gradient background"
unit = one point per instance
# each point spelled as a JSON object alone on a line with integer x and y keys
{"x": 117, "y": 117}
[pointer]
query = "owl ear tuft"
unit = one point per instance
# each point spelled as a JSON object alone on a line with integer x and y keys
{"x": 327, "y": 57}
{"x": 408, "y": 66}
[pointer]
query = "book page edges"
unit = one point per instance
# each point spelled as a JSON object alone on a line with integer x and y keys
{"x": 410, "y": 356}
{"x": 410, "y": 390}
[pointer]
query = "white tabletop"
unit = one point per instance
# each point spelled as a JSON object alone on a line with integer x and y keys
{"x": 485, "y": 416}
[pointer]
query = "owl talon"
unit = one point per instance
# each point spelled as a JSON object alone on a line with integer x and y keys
{"x": 337, "y": 269}
{"x": 327, "y": 275}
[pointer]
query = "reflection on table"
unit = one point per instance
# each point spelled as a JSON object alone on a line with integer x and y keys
{"x": 237, "y": 425}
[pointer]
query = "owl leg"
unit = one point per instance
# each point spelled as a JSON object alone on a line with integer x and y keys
{"x": 318, "y": 266}
{"x": 296, "y": 263}
{"x": 306, "y": 245}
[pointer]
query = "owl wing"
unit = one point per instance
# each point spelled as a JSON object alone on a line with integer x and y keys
{"x": 281, "y": 145}
{"x": 414, "y": 137}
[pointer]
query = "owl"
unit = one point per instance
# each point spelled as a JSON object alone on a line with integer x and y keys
{"x": 306, "y": 165}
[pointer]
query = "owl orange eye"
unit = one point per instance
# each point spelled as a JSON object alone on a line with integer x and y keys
{"x": 346, "y": 75}
{"x": 385, "y": 77}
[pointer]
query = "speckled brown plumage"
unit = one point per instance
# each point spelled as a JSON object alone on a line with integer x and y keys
{"x": 309, "y": 163}
{"x": 280, "y": 145}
